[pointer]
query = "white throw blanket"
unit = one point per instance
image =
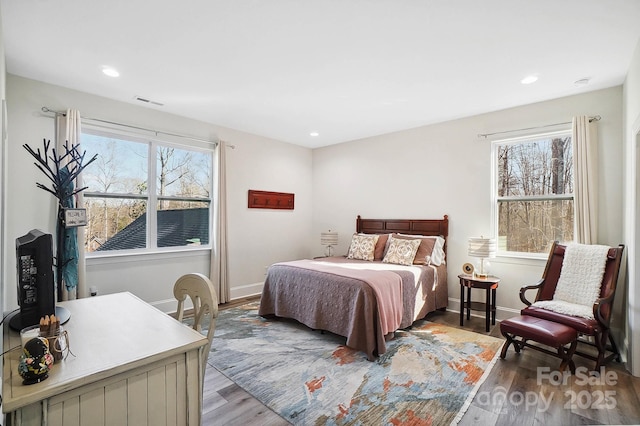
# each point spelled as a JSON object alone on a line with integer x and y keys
{"x": 580, "y": 280}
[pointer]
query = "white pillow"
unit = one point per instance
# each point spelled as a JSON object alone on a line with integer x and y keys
{"x": 437, "y": 256}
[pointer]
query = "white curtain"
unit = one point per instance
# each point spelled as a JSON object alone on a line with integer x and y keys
{"x": 68, "y": 129}
{"x": 219, "y": 269}
{"x": 585, "y": 146}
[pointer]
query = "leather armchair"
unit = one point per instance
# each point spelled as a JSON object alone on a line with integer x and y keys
{"x": 596, "y": 330}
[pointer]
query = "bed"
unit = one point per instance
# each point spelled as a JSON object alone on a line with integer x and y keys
{"x": 365, "y": 300}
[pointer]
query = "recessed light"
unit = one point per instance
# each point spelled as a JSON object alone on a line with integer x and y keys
{"x": 529, "y": 79}
{"x": 314, "y": 134}
{"x": 111, "y": 72}
{"x": 582, "y": 82}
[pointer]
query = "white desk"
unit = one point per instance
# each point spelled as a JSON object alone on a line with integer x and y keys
{"x": 133, "y": 365}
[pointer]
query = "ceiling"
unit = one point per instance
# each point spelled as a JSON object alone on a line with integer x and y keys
{"x": 347, "y": 69}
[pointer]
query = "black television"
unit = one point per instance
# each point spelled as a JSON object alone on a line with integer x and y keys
{"x": 36, "y": 290}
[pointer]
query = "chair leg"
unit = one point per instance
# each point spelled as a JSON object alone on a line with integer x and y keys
{"x": 566, "y": 354}
{"x": 508, "y": 343}
{"x": 614, "y": 348}
{"x": 601, "y": 345}
{"x": 511, "y": 339}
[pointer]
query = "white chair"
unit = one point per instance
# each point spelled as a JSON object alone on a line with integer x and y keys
{"x": 205, "y": 304}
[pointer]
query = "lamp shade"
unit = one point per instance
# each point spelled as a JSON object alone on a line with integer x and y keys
{"x": 482, "y": 247}
{"x": 329, "y": 238}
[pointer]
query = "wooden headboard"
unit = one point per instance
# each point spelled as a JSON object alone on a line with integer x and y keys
{"x": 405, "y": 226}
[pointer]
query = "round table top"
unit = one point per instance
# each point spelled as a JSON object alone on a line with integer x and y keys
{"x": 472, "y": 280}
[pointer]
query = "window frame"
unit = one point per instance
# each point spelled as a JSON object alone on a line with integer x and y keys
{"x": 495, "y": 199}
{"x": 151, "y": 198}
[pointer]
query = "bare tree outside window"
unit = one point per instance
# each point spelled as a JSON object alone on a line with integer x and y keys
{"x": 124, "y": 189}
{"x": 183, "y": 192}
{"x": 534, "y": 187}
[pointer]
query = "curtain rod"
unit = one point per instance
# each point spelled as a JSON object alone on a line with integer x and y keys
{"x": 484, "y": 135}
{"x": 45, "y": 109}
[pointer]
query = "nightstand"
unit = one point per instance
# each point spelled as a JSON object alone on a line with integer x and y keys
{"x": 489, "y": 284}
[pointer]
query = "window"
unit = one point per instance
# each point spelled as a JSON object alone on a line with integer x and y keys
{"x": 144, "y": 194}
{"x": 533, "y": 187}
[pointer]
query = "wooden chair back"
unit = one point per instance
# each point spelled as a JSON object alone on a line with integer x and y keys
{"x": 204, "y": 299}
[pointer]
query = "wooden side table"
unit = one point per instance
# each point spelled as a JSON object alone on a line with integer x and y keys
{"x": 490, "y": 284}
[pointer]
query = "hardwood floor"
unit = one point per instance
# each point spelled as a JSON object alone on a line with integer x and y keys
{"x": 510, "y": 395}
{"x": 225, "y": 403}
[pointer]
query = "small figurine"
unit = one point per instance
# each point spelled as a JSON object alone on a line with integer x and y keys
{"x": 35, "y": 361}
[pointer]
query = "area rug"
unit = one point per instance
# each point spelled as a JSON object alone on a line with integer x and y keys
{"x": 428, "y": 375}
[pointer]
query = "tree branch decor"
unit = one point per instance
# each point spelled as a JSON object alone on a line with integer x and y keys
{"x": 62, "y": 171}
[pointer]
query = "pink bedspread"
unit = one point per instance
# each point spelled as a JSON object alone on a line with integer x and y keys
{"x": 347, "y": 306}
{"x": 386, "y": 285}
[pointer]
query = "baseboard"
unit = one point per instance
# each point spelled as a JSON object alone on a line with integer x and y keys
{"x": 255, "y": 289}
{"x": 167, "y": 306}
{"x": 248, "y": 290}
{"x": 502, "y": 312}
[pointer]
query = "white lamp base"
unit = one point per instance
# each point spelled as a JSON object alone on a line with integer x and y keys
{"x": 482, "y": 271}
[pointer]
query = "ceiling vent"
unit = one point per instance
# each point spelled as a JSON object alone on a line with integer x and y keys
{"x": 147, "y": 101}
{"x": 582, "y": 82}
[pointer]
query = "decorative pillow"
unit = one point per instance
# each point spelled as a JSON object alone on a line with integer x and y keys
{"x": 431, "y": 250}
{"x": 401, "y": 251}
{"x": 362, "y": 246}
{"x": 381, "y": 245}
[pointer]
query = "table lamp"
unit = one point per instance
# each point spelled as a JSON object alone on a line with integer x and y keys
{"x": 328, "y": 239}
{"x": 483, "y": 248}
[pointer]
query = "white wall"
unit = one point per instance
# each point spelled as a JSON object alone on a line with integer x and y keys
{"x": 3, "y": 128}
{"x": 445, "y": 168}
{"x": 260, "y": 237}
{"x": 256, "y": 237}
{"x": 632, "y": 206}
{"x": 419, "y": 173}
